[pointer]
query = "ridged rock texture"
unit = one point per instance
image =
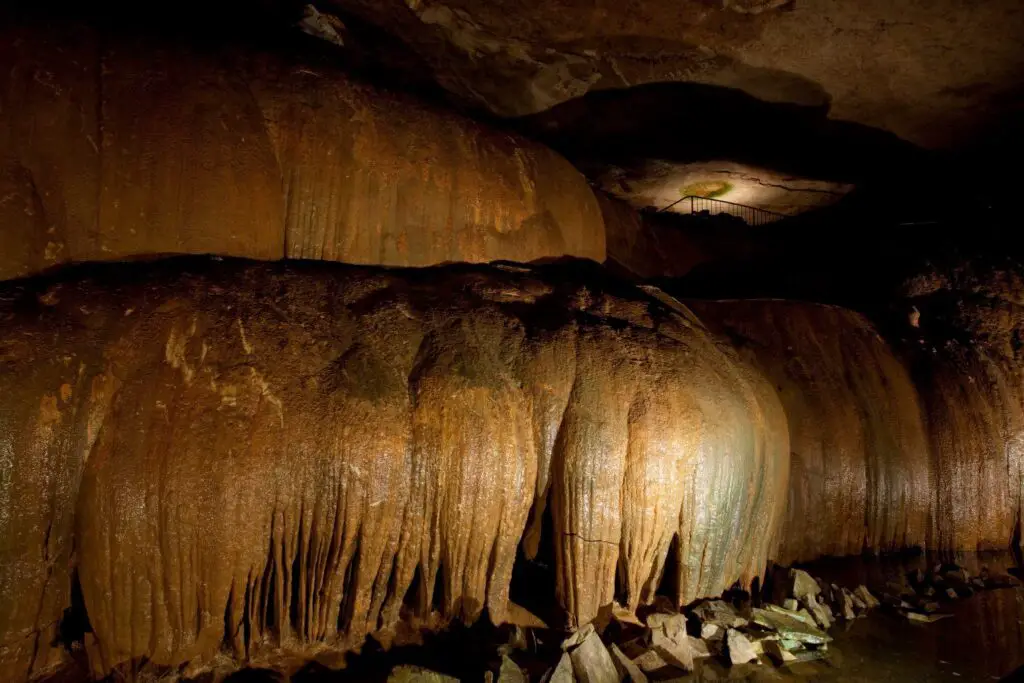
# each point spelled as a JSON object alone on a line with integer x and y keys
{"x": 264, "y": 458}
{"x": 114, "y": 146}
{"x": 861, "y": 473}
{"x": 969, "y": 365}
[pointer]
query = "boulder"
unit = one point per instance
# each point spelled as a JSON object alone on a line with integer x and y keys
{"x": 739, "y": 648}
{"x": 591, "y": 662}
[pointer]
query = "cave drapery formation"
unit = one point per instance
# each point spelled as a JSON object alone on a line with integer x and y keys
{"x": 203, "y": 457}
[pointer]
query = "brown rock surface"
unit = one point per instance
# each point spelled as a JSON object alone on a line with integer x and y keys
{"x": 861, "y": 471}
{"x": 968, "y": 361}
{"x": 267, "y": 457}
{"x": 114, "y": 147}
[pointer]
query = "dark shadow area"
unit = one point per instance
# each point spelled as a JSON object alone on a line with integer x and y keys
{"x": 687, "y": 122}
{"x": 533, "y": 581}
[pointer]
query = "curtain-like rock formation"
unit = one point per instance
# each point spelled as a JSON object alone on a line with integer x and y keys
{"x": 969, "y": 365}
{"x": 114, "y": 147}
{"x": 256, "y": 458}
{"x": 861, "y": 471}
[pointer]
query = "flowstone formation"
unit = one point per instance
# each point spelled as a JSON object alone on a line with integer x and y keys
{"x": 115, "y": 145}
{"x": 861, "y": 471}
{"x": 228, "y": 458}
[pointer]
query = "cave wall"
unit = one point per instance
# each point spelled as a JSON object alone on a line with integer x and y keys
{"x": 861, "y": 469}
{"x": 267, "y": 457}
{"x": 967, "y": 357}
{"x": 114, "y": 146}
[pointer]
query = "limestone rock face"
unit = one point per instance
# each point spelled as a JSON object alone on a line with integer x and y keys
{"x": 861, "y": 467}
{"x": 267, "y": 457}
{"x": 115, "y": 147}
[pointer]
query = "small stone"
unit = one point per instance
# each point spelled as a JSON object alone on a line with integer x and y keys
{"x": 739, "y": 649}
{"x": 774, "y": 649}
{"x": 625, "y": 666}
{"x": 978, "y": 583}
{"x": 417, "y": 674}
{"x": 791, "y": 604}
{"x": 591, "y": 662}
{"x": 802, "y": 584}
{"x": 510, "y": 672}
{"x": 951, "y": 594}
{"x": 562, "y": 673}
{"x": 710, "y": 631}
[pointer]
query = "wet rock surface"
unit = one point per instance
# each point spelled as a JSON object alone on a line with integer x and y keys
{"x": 262, "y": 460}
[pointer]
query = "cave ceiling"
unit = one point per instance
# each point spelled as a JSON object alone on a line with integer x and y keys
{"x": 941, "y": 75}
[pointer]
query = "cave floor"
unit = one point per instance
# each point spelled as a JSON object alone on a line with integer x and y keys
{"x": 983, "y": 641}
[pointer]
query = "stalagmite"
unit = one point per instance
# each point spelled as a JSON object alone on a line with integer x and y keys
{"x": 263, "y": 459}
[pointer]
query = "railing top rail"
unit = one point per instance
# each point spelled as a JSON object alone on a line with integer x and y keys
{"x": 722, "y": 201}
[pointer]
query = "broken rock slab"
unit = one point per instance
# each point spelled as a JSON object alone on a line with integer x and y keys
{"x": 510, "y": 672}
{"x": 576, "y": 639}
{"x": 802, "y": 584}
{"x": 926, "y": 618}
{"x": 866, "y": 597}
{"x": 779, "y": 654}
{"x": 718, "y": 612}
{"x": 739, "y": 648}
{"x": 562, "y": 673}
{"x": 650, "y": 661}
{"x": 669, "y": 639}
{"x": 591, "y": 662}
{"x": 625, "y": 666}
{"x": 789, "y": 627}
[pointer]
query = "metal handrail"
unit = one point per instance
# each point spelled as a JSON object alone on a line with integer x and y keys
{"x": 750, "y": 214}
